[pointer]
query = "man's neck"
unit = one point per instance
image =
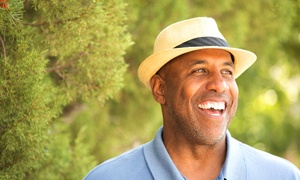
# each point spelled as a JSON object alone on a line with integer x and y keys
{"x": 197, "y": 161}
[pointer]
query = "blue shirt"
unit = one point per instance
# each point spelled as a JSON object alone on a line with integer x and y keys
{"x": 152, "y": 161}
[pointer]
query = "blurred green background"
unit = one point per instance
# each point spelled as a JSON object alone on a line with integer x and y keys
{"x": 71, "y": 98}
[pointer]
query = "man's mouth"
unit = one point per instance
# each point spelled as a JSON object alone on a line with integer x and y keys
{"x": 212, "y": 107}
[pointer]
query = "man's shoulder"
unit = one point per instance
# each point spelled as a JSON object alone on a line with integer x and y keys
{"x": 129, "y": 165}
{"x": 261, "y": 161}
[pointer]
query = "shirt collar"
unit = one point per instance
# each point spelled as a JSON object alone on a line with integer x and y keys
{"x": 162, "y": 166}
{"x": 158, "y": 159}
{"x": 234, "y": 166}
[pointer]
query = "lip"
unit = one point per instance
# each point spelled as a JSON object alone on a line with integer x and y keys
{"x": 216, "y": 114}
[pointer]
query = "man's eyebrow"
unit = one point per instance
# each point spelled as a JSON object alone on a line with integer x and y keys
{"x": 198, "y": 61}
{"x": 231, "y": 64}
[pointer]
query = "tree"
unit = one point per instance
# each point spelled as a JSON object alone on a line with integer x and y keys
{"x": 55, "y": 56}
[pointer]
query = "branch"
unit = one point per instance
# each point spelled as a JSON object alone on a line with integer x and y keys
{"x": 56, "y": 67}
{"x": 47, "y": 23}
{"x": 3, "y": 47}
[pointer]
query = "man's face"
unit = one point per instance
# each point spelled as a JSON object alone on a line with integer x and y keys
{"x": 198, "y": 94}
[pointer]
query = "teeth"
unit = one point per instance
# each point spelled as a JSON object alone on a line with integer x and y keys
{"x": 212, "y": 105}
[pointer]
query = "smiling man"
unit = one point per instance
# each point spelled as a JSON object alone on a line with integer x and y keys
{"x": 191, "y": 74}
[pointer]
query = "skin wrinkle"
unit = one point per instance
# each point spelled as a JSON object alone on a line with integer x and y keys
{"x": 195, "y": 140}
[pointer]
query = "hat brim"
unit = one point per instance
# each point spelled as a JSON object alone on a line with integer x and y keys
{"x": 243, "y": 59}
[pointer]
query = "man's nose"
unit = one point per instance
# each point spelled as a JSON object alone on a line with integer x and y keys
{"x": 217, "y": 83}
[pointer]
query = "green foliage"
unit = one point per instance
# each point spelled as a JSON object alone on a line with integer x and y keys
{"x": 24, "y": 113}
{"x": 62, "y": 160}
{"x": 85, "y": 48}
{"x": 11, "y": 18}
{"x": 55, "y": 55}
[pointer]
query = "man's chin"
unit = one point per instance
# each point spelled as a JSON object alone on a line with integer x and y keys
{"x": 211, "y": 140}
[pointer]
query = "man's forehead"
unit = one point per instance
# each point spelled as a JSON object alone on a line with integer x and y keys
{"x": 181, "y": 60}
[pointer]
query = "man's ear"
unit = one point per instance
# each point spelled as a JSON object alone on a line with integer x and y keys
{"x": 157, "y": 88}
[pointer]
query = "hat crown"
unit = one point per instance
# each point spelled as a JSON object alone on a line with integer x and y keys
{"x": 183, "y": 31}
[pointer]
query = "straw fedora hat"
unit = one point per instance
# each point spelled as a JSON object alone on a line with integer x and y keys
{"x": 186, "y": 36}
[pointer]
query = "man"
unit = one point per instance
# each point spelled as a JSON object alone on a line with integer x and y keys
{"x": 192, "y": 76}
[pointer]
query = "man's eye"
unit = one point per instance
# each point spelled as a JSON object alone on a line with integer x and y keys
{"x": 201, "y": 70}
{"x": 227, "y": 72}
